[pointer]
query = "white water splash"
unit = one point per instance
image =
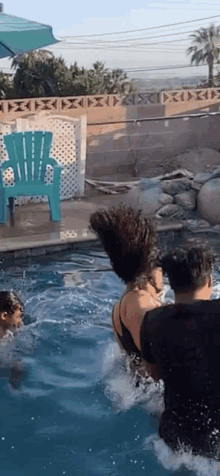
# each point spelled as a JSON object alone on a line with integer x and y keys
{"x": 119, "y": 385}
{"x": 181, "y": 459}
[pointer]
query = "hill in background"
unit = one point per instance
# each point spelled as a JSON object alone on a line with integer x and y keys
{"x": 157, "y": 84}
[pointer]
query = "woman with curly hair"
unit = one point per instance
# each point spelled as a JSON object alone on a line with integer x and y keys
{"x": 130, "y": 241}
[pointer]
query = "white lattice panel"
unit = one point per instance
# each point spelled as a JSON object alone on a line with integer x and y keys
{"x": 6, "y": 128}
{"x": 68, "y": 147}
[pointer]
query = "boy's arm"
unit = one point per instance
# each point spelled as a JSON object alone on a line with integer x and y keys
{"x": 16, "y": 375}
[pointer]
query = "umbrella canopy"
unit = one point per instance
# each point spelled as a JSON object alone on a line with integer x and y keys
{"x": 18, "y": 35}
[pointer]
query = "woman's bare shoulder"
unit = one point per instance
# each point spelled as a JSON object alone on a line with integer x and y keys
{"x": 139, "y": 298}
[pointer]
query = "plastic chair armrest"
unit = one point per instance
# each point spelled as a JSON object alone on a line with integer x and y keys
{"x": 4, "y": 166}
{"x": 53, "y": 162}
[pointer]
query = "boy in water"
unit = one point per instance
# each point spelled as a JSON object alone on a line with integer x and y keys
{"x": 11, "y": 312}
{"x": 183, "y": 341}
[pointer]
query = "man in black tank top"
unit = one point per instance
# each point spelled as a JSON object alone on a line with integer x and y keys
{"x": 183, "y": 341}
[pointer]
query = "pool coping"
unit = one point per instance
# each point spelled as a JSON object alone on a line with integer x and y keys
{"x": 37, "y": 248}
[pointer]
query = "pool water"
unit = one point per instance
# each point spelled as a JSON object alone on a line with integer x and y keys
{"x": 75, "y": 411}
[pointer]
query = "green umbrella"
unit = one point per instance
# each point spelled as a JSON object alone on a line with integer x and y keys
{"x": 18, "y": 35}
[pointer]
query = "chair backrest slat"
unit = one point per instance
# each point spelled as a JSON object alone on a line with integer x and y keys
{"x": 45, "y": 153}
{"x": 27, "y": 138}
{"x": 29, "y": 151}
{"x": 20, "y": 156}
{"x": 37, "y": 145}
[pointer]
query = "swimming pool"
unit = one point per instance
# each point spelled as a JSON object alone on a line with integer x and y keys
{"x": 76, "y": 412}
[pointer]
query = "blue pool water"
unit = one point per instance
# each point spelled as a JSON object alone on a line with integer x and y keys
{"x": 76, "y": 412}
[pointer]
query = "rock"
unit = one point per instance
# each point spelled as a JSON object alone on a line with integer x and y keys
{"x": 197, "y": 226}
{"x": 216, "y": 228}
{"x": 165, "y": 199}
{"x": 196, "y": 185}
{"x": 145, "y": 196}
{"x": 203, "y": 177}
{"x": 198, "y": 223}
{"x": 147, "y": 183}
{"x": 208, "y": 201}
{"x": 172, "y": 187}
{"x": 187, "y": 200}
{"x": 179, "y": 173}
{"x": 170, "y": 211}
{"x": 215, "y": 174}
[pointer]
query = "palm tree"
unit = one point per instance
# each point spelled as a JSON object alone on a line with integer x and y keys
{"x": 39, "y": 73}
{"x": 206, "y": 48}
{"x": 120, "y": 83}
{"x": 31, "y": 58}
{"x": 6, "y": 86}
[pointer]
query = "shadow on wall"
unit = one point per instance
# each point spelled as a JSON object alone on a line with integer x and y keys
{"x": 142, "y": 148}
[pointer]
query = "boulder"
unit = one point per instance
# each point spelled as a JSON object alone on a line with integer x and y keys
{"x": 198, "y": 225}
{"x": 196, "y": 186}
{"x": 172, "y": 187}
{"x": 165, "y": 199}
{"x": 203, "y": 177}
{"x": 170, "y": 211}
{"x": 199, "y": 180}
{"x": 187, "y": 200}
{"x": 215, "y": 174}
{"x": 216, "y": 228}
{"x": 208, "y": 201}
{"x": 145, "y": 196}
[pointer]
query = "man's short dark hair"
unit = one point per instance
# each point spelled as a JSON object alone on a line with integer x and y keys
{"x": 130, "y": 240}
{"x": 189, "y": 266}
{"x": 10, "y": 302}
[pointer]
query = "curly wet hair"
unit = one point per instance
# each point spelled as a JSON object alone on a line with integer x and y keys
{"x": 130, "y": 240}
{"x": 10, "y": 302}
{"x": 187, "y": 267}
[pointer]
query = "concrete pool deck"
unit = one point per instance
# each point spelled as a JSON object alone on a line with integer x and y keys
{"x": 31, "y": 232}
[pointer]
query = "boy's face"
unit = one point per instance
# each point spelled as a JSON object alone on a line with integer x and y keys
{"x": 11, "y": 320}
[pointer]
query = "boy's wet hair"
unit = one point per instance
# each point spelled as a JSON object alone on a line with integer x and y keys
{"x": 10, "y": 302}
{"x": 189, "y": 266}
{"x": 130, "y": 240}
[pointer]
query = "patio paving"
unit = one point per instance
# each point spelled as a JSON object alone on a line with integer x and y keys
{"x": 31, "y": 228}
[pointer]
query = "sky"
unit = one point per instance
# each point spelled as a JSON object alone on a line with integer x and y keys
{"x": 125, "y": 50}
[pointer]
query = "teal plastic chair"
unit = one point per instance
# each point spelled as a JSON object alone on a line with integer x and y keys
{"x": 28, "y": 157}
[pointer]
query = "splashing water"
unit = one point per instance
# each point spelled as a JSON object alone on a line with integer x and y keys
{"x": 76, "y": 373}
{"x": 183, "y": 458}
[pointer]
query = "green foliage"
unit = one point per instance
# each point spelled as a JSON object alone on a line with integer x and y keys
{"x": 40, "y": 74}
{"x": 6, "y": 86}
{"x": 205, "y": 48}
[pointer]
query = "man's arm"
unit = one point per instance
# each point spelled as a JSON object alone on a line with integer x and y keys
{"x": 147, "y": 331}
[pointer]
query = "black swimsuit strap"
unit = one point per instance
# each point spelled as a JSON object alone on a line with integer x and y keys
{"x": 126, "y": 339}
{"x": 113, "y": 322}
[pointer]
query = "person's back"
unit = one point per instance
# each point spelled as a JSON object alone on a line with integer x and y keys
{"x": 183, "y": 341}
